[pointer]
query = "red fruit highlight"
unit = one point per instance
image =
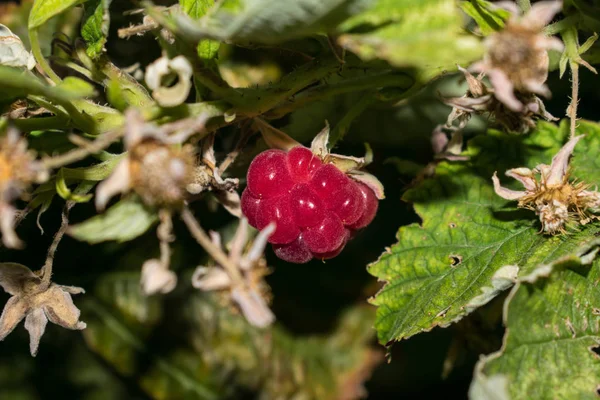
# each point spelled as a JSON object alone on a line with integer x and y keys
{"x": 325, "y": 237}
{"x": 369, "y": 206}
{"x": 268, "y": 175}
{"x": 307, "y": 207}
{"x": 347, "y": 203}
{"x": 302, "y": 164}
{"x": 278, "y": 210}
{"x": 327, "y": 181}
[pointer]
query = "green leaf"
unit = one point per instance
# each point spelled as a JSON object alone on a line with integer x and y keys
{"x": 427, "y": 34}
{"x": 16, "y": 83}
{"x": 207, "y": 49}
{"x": 124, "y": 221}
{"x": 267, "y": 21}
{"x": 94, "y": 30}
{"x": 43, "y": 10}
{"x": 471, "y": 242}
{"x": 552, "y": 330}
{"x": 77, "y": 87}
{"x": 489, "y": 18}
{"x": 63, "y": 190}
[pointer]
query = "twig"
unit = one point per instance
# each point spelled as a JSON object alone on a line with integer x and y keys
{"x": 214, "y": 251}
{"x": 79, "y": 154}
{"x": 47, "y": 268}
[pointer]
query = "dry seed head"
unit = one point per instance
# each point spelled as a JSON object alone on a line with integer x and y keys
{"x": 559, "y": 202}
{"x": 517, "y": 52}
{"x": 161, "y": 173}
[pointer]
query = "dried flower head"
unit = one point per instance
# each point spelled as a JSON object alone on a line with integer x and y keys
{"x": 553, "y": 197}
{"x": 36, "y": 300}
{"x": 517, "y": 60}
{"x": 157, "y": 167}
{"x": 241, "y": 275}
{"x": 18, "y": 170}
{"x": 480, "y": 100}
{"x": 207, "y": 177}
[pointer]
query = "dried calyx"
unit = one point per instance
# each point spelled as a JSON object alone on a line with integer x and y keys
{"x": 18, "y": 170}
{"x": 481, "y": 100}
{"x": 239, "y": 275}
{"x": 560, "y": 204}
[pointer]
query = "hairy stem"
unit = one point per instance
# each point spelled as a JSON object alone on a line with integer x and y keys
{"x": 214, "y": 251}
{"x": 572, "y": 109}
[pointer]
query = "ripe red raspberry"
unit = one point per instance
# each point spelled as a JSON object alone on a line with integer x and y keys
{"x": 315, "y": 206}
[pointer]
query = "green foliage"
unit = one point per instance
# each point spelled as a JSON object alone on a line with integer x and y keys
{"x": 552, "y": 337}
{"x": 94, "y": 29}
{"x": 124, "y": 221}
{"x": 265, "y": 21}
{"x": 207, "y": 49}
{"x": 472, "y": 244}
{"x": 43, "y": 10}
{"x": 489, "y": 18}
{"x": 426, "y": 34}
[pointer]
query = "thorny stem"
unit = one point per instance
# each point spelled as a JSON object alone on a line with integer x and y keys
{"x": 79, "y": 154}
{"x": 47, "y": 268}
{"x": 572, "y": 109}
{"x": 342, "y": 128}
{"x": 214, "y": 251}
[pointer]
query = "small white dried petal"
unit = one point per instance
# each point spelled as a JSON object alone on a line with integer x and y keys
{"x": 13, "y": 277}
{"x": 14, "y": 311}
{"x": 239, "y": 241}
{"x": 253, "y": 307}
{"x": 504, "y": 90}
{"x": 35, "y": 323}
{"x": 210, "y": 278}
{"x": 320, "y": 142}
{"x": 371, "y": 181}
{"x": 157, "y": 278}
{"x": 560, "y": 163}
{"x": 12, "y": 51}
{"x": 592, "y": 198}
{"x": 176, "y": 94}
{"x": 7, "y": 227}
{"x": 439, "y": 140}
{"x": 258, "y": 247}
{"x": 541, "y": 14}
{"x": 118, "y": 182}
{"x": 504, "y": 192}
{"x": 523, "y": 175}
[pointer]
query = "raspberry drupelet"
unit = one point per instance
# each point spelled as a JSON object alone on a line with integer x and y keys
{"x": 315, "y": 206}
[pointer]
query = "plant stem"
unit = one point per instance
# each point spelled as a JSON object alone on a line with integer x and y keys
{"x": 37, "y": 53}
{"x": 47, "y": 268}
{"x": 214, "y": 251}
{"x": 572, "y": 109}
{"x": 79, "y": 154}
